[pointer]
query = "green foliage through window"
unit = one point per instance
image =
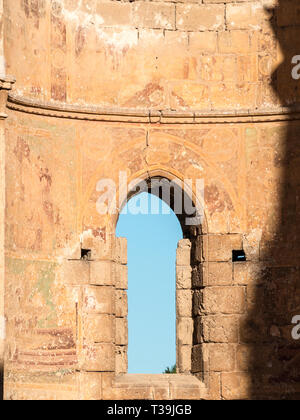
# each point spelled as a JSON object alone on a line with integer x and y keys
{"x": 170, "y": 370}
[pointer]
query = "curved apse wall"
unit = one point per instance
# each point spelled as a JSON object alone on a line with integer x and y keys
{"x": 141, "y": 54}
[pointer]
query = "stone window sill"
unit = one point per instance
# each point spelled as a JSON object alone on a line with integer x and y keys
{"x": 163, "y": 386}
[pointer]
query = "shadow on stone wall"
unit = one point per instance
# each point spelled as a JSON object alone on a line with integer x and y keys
{"x": 275, "y": 364}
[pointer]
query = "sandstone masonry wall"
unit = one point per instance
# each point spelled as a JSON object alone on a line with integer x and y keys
{"x": 176, "y": 89}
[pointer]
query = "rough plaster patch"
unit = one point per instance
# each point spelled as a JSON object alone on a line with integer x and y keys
{"x": 78, "y": 16}
{"x": 119, "y": 40}
{"x": 83, "y": 18}
{"x": 87, "y": 234}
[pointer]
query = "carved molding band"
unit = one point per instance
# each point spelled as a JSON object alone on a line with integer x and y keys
{"x": 94, "y": 113}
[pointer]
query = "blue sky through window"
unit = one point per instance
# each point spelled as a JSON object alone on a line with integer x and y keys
{"x": 152, "y": 242}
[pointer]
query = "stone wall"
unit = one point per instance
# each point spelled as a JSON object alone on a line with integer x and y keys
{"x": 175, "y": 89}
{"x": 181, "y": 55}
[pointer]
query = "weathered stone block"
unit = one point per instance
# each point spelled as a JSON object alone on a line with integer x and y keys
{"x": 133, "y": 392}
{"x": 175, "y": 38}
{"x": 221, "y": 357}
{"x": 161, "y": 392}
{"x": 219, "y": 273}
{"x": 75, "y": 252}
{"x": 200, "y": 358}
{"x": 90, "y": 386}
{"x": 185, "y": 391}
{"x": 121, "y": 276}
{"x": 251, "y": 244}
{"x": 194, "y": 17}
{"x": 121, "y": 250}
{"x": 98, "y": 300}
{"x": 183, "y": 277}
{"x": 184, "y": 303}
{"x": 184, "y": 362}
{"x": 204, "y": 42}
{"x": 100, "y": 249}
{"x": 154, "y": 15}
{"x": 75, "y": 272}
{"x": 220, "y": 328}
{"x": 121, "y": 331}
{"x": 214, "y": 385}
{"x": 220, "y": 68}
{"x": 222, "y": 299}
{"x": 185, "y": 328}
{"x": 197, "y": 300}
{"x": 121, "y": 359}
{"x": 121, "y": 300}
{"x": 108, "y": 391}
{"x": 183, "y": 256}
{"x": 235, "y": 386}
{"x": 97, "y": 358}
{"x": 199, "y": 276}
{"x": 221, "y": 246}
{"x": 234, "y": 42}
{"x": 101, "y": 273}
{"x": 248, "y": 273}
{"x": 148, "y": 36}
{"x": 245, "y": 16}
{"x": 98, "y": 328}
{"x": 114, "y": 13}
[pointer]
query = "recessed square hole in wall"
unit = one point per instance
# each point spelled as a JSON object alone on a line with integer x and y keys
{"x": 86, "y": 254}
{"x": 238, "y": 256}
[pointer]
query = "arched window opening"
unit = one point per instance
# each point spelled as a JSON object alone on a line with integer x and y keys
{"x": 152, "y": 230}
{"x": 179, "y": 203}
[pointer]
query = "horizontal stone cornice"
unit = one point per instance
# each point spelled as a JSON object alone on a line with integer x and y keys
{"x": 131, "y": 115}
